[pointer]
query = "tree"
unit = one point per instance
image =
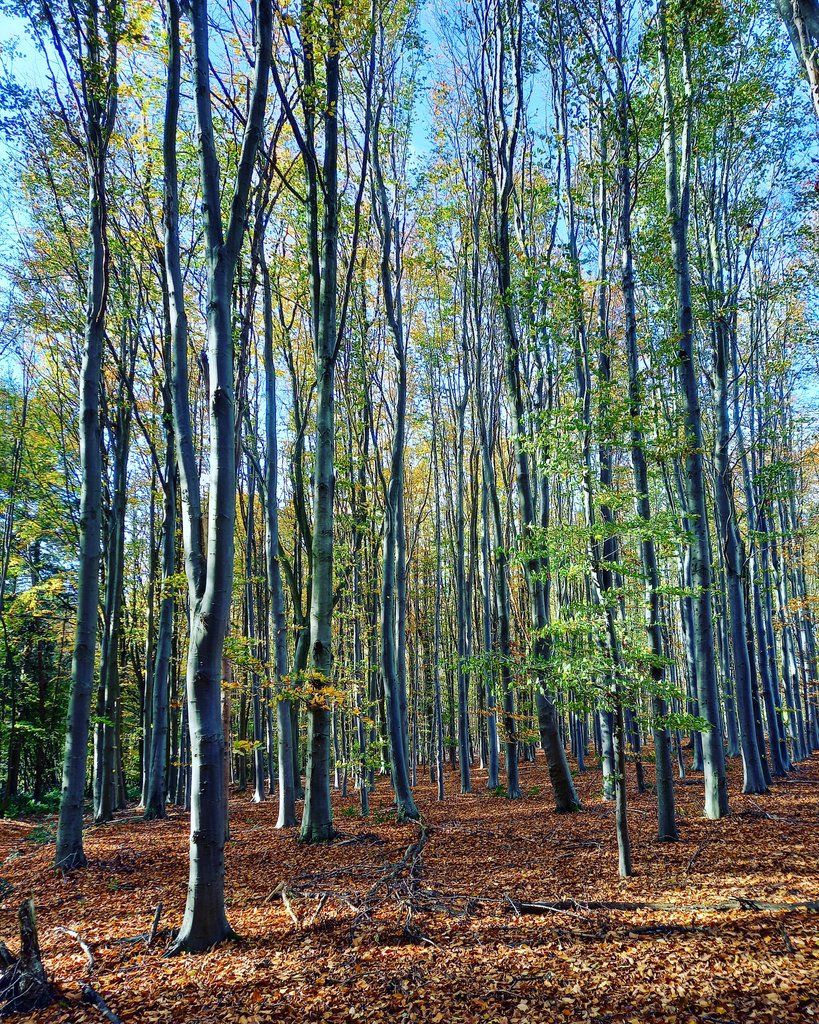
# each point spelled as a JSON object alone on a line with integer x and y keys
{"x": 86, "y": 42}
{"x": 677, "y": 192}
{"x": 208, "y": 559}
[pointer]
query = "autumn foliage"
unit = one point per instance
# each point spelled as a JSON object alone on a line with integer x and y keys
{"x": 336, "y": 933}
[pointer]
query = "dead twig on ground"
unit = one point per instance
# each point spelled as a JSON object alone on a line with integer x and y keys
{"x": 693, "y": 858}
{"x": 82, "y": 944}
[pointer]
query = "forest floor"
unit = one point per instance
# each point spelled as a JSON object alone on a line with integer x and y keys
{"x": 372, "y": 928}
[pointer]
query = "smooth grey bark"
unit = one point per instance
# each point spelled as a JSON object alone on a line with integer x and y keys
{"x": 489, "y": 672}
{"x": 801, "y": 18}
{"x": 462, "y": 595}
{"x": 97, "y": 46}
{"x": 321, "y": 174}
{"x": 503, "y": 128}
{"x": 14, "y": 750}
{"x": 602, "y": 554}
{"x": 393, "y": 579}
{"x": 107, "y": 792}
{"x": 277, "y": 624}
{"x": 664, "y": 776}
{"x": 677, "y": 207}
{"x": 789, "y": 577}
{"x": 357, "y": 501}
{"x": 259, "y": 793}
{"x": 438, "y": 723}
{"x": 686, "y": 608}
{"x": 804, "y": 623}
{"x": 147, "y": 687}
{"x": 722, "y": 622}
{"x": 721, "y": 304}
{"x": 500, "y": 588}
{"x": 462, "y": 581}
{"x": 158, "y": 764}
{"x": 790, "y": 674}
{"x": 766, "y": 583}
{"x": 753, "y": 778}
{"x": 209, "y": 569}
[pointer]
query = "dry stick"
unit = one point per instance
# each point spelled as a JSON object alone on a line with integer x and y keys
{"x": 274, "y": 893}
{"x": 322, "y": 900}
{"x": 154, "y": 925}
{"x": 93, "y": 998}
{"x": 148, "y": 937}
{"x": 512, "y": 904}
{"x": 83, "y": 945}
{"x": 696, "y": 854}
{"x": 289, "y": 907}
{"x": 789, "y": 946}
{"x": 734, "y": 903}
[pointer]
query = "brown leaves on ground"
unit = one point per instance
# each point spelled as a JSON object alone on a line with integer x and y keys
{"x": 335, "y": 933}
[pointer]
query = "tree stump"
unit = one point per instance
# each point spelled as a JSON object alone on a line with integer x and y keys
{"x": 24, "y": 985}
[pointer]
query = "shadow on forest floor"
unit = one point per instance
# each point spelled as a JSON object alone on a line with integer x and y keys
{"x": 442, "y": 941}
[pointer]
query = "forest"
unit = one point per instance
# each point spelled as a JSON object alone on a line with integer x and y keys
{"x": 409, "y": 511}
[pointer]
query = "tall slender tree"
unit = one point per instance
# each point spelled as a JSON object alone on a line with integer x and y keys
{"x": 208, "y": 560}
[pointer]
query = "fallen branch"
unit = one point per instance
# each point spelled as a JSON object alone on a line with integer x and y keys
{"x": 82, "y": 943}
{"x": 322, "y": 900}
{"x": 399, "y": 881}
{"x": 274, "y": 893}
{"x": 288, "y": 906}
{"x": 148, "y": 937}
{"x": 93, "y": 998}
{"x": 734, "y": 903}
{"x": 362, "y": 837}
{"x": 692, "y": 859}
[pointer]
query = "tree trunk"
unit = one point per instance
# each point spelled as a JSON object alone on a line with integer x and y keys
{"x": 100, "y": 117}
{"x": 317, "y": 820}
{"x": 664, "y": 778}
{"x": 677, "y": 205}
{"x": 157, "y": 768}
{"x": 209, "y": 569}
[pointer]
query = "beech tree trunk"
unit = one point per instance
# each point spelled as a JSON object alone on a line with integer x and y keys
{"x": 278, "y": 623}
{"x": 664, "y": 777}
{"x": 393, "y": 581}
{"x": 503, "y": 126}
{"x": 209, "y": 570}
{"x": 158, "y": 763}
{"x": 677, "y": 205}
{"x": 99, "y": 117}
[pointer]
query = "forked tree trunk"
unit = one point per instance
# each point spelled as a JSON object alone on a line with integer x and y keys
{"x": 209, "y": 569}
{"x": 393, "y": 584}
